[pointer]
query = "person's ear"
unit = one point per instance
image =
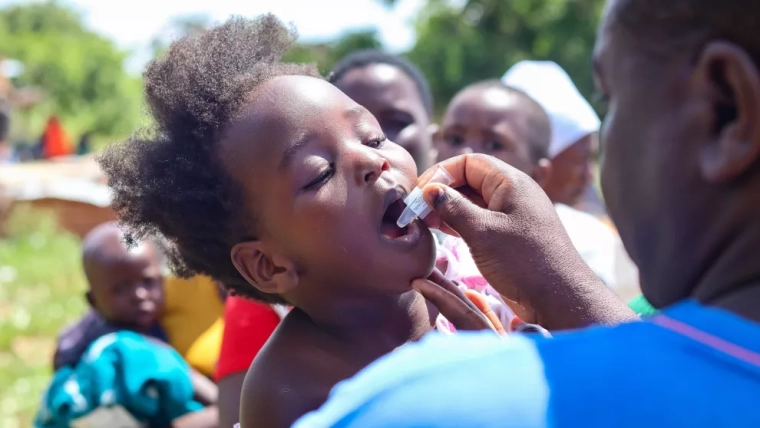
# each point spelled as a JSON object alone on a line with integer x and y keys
{"x": 542, "y": 172}
{"x": 732, "y": 83}
{"x": 90, "y": 299}
{"x": 267, "y": 272}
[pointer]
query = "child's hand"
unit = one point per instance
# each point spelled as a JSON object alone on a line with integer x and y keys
{"x": 467, "y": 310}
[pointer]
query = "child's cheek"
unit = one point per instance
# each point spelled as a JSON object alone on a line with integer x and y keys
{"x": 402, "y": 162}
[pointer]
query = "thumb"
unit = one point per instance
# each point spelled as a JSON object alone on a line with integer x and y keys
{"x": 453, "y": 208}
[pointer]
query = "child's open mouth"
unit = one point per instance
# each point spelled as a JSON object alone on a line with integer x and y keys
{"x": 404, "y": 238}
{"x": 388, "y": 227}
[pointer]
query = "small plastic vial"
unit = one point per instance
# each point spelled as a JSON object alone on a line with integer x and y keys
{"x": 416, "y": 207}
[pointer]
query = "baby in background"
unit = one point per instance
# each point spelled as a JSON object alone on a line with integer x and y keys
{"x": 125, "y": 293}
{"x": 102, "y": 351}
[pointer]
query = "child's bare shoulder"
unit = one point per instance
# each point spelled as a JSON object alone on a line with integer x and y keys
{"x": 292, "y": 375}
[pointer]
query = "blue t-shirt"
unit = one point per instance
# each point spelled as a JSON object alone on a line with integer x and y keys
{"x": 690, "y": 366}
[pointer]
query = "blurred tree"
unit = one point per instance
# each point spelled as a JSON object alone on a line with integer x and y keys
{"x": 80, "y": 73}
{"x": 460, "y": 42}
{"x": 325, "y": 55}
{"x": 177, "y": 27}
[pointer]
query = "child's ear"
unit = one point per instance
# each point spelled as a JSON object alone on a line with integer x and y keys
{"x": 542, "y": 172}
{"x": 269, "y": 274}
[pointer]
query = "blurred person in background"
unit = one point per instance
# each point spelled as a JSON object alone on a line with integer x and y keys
{"x": 84, "y": 146}
{"x": 6, "y": 151}
{"x": 54, "y": 140}
{"x": 396, "y": 92}
{"x": 126, "y": 294}
{"x": 575, "y": 125}
{"x": 573, "y": 149}
{"x": 495, "y": 119}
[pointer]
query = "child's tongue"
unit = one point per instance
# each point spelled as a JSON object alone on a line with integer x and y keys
{"x": 389, "y": 229}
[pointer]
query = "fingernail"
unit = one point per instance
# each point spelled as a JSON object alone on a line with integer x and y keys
{"x": 438, "y": 195}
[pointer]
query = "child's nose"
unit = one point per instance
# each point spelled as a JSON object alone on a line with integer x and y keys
{"x": 141, "y": 293}
{"x": 370, "y": 166}
{"x": 466, "y": 149}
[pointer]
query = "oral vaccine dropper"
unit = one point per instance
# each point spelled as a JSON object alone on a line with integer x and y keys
{"x": 416, "y": 207}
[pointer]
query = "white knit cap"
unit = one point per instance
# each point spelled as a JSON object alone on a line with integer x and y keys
{"x": 546, "y": 82}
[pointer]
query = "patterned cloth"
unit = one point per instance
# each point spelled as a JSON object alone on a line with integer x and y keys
{"x": 75, "y": 339}
{"x": 456, "y": 263}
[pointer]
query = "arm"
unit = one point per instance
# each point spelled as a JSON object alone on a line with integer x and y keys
{"x": 206, "y": 418}
{"x": 206, "y": 392}
{"x": 230, "y": 388}
{"x": 247, "y": 327}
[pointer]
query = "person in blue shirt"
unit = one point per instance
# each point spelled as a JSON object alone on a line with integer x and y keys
{"x": 681, "y": 177}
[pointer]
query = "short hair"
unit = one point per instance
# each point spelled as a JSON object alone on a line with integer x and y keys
{"x": 363, "y": 58}
{"x": 168, "y": 182}
{"x": 678, "y": 25}
{"x": 539, "y": 124}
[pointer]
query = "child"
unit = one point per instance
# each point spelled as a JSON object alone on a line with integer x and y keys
{"x": 394, "y": 91}
{"x": 574, "y": 141}
{"x": 125, "y": 293}
{"x": 492, "y": 118}
{"x": 272, "y": 181}
{"x": 119, "y": 346}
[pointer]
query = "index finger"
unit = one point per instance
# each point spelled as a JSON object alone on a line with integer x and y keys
{"x": 481, "y": 173}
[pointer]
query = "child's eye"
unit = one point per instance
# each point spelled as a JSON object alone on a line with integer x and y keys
{"x": 376, "y": 142}
{"x": 455, "y": 140}
{"x": 323, "y": 178}
{"x": 493, "y": 146}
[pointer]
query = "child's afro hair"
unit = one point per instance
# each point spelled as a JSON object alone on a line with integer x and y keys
{"x": 167, "y": 181}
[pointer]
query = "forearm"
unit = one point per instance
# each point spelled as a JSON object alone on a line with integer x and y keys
{"x": 206, "y": 418}
{"x": 230, "y": 388}
{"x": 547, "y": 282}
{"x": 206, "y": 392}
{"x": 572, "y": 296}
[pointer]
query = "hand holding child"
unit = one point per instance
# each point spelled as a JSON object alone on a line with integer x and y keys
{"x": 467, "y": 310}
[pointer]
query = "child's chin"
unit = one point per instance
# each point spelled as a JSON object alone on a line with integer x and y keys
{"x": 425, "y": 259}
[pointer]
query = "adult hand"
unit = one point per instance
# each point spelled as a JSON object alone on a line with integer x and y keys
{"x": 519, "y": 243}
{"x": 467, "y": 310}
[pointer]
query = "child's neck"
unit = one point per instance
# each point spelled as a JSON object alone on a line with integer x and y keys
{"x": 381, "y": 324}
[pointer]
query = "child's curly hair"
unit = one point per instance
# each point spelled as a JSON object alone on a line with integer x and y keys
{"x": 168, "y": 181}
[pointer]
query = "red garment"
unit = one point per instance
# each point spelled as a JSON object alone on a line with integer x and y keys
{"x": 55, "y": 142}
{"x": 247, "y": 326}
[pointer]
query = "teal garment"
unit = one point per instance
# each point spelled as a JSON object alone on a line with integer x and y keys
{"x": 151, "y": 381}
{"x": 642, "y": 307}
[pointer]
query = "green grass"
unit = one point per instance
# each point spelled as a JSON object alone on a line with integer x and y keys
{"x": 41, "y": 286}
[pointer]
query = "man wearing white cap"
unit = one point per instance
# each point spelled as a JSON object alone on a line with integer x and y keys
{"x": 574, "y": 127}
